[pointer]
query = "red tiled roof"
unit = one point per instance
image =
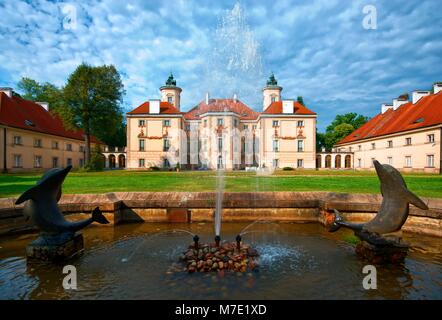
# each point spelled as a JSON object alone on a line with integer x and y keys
{"x": 276, "y": 108}
{"x": 165, "y": 108}
{"x": 17, "y": 112}
{"x": 222, "y": 105}
{"x": 426, "y": 112}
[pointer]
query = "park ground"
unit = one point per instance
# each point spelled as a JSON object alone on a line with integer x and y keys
{"x": 425, "y": 185}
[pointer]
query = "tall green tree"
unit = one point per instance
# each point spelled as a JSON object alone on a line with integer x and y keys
{"x": 352, "y": 118}
{"x": 43, "y": 92}
{"x": 339, "y": 128}
{"x": 93, "y": 96}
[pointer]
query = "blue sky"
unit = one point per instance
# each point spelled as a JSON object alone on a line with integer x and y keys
{"x": 317, "y": 49}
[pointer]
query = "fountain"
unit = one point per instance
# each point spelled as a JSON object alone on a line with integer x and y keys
{"x": 59, "y": 239}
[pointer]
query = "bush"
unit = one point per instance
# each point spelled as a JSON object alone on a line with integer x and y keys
{"x": 288, "y": 169}
{"x": 96, "y": 162}
{"x": 154, "y": 168}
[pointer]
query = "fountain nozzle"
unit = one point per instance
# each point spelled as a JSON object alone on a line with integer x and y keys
{"x": 217, "y": 240}
{"x": 195, "y": 240}
{"x": 238, "y": 242}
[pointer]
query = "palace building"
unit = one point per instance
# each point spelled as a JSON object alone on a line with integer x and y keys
{"x": 221, "y": 133}
{"x": 32, "y": 138}
{"x": 405, "y": 134}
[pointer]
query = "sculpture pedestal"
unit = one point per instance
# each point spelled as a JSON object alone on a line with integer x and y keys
{"x": 38, "y": 251}
{"x": 381, "y": 254}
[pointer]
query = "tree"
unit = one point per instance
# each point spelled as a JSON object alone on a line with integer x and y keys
{"x": 352, "y": 118}
{"x": 341, "y": 126}
{"x": 93, "y": 96}
{"x": 42, "y": 92}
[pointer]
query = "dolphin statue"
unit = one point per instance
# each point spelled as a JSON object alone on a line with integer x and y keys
{"x": 43, "y": 210}
{"x": 394, "y": 208}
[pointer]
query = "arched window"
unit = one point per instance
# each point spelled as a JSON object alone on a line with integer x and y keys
{"x": 338, "y": 161}
{"x": 328, "y": 161}
{"x": 318, "y": 161}
{"x": 348, "y": 161}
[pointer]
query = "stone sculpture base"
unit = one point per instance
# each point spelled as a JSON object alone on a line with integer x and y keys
{"x": 374, "y": 254}
{"x": 37, "y": 251}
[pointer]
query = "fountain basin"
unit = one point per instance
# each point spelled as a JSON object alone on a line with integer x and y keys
{"x": 297, "y": 261}
{"x": 183, "y": 207}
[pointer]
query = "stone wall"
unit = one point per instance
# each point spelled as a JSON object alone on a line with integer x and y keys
{"x": 184, "y": 207}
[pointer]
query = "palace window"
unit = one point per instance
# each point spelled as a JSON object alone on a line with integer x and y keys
{"x": 141, "y": 123}
{"x": 300, "y": 123}
{"x": 141, "y": 163}
{"x": 54, "y": 144}
{"x": 169, "y": 99}
{"x": 273, "y": 98}
{"x": 81, "y": 148}
{"x": 220, "y": 121}
{"x": 246, "y": 127}
{"x": 359, "y": 162}
{"x": 81, "y": 162}
{"x": 17, "y": 161}
{"x": 430, "y": 138}
{"x": 38, "y": 161}
{"x": 69, "y": 147}
{"x": 166, "y": 123}
{"x": 430, "y": 160}
{"x": 254, "y": 127}
{"x": 17, "y": 140}
{"x": 275, "y": 123}
{"x": 275, "y": 145}
{"x": 359, "y": 147}
{"x": 166, "y": 145}
{"x": 220, "y": 144}
{"x": 55, "y": 162}
{"x": 37, "y": 143}
{"x": 300, "y": 163}
{"x": 141, "y": 145}
{"x": 166, "y": 163}
{"x": 408, "y": 141}
{"x": 390, "y": 144}
{"x": 408, "y": 161}
{"x": 275, "y": 163}
{"x": 390, "y": 160}
{"x": 373, "y": 146}
{"x": 235, "y": 123}
{"x": 350, "y": 149}
{"x": 205, "y": 123}
{"x": 69, "y": 161}
{"x": 300, "y": 145}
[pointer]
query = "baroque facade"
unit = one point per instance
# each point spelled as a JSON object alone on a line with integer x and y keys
{"x": 405, "y": 134}
{"x": 221, "y": 133}
{"x": 32, "y": 138}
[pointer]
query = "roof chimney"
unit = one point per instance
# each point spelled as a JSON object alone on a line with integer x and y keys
{"x": 437, "y": 87}
{"x": 7, "y": 91}
{"x": 417, "y": 95}
{"x": 398, "y": 102}
{"x": 207, "y": 98}
{"x": 287, "y": 106}
{"x": 235, "y": 97}
{"x": 154, "y": 106}
{"x": 45, "y": 105}
{"x": 386, "y": 106}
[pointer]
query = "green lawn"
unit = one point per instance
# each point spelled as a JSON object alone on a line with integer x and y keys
{"x": 427, "y": 185}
